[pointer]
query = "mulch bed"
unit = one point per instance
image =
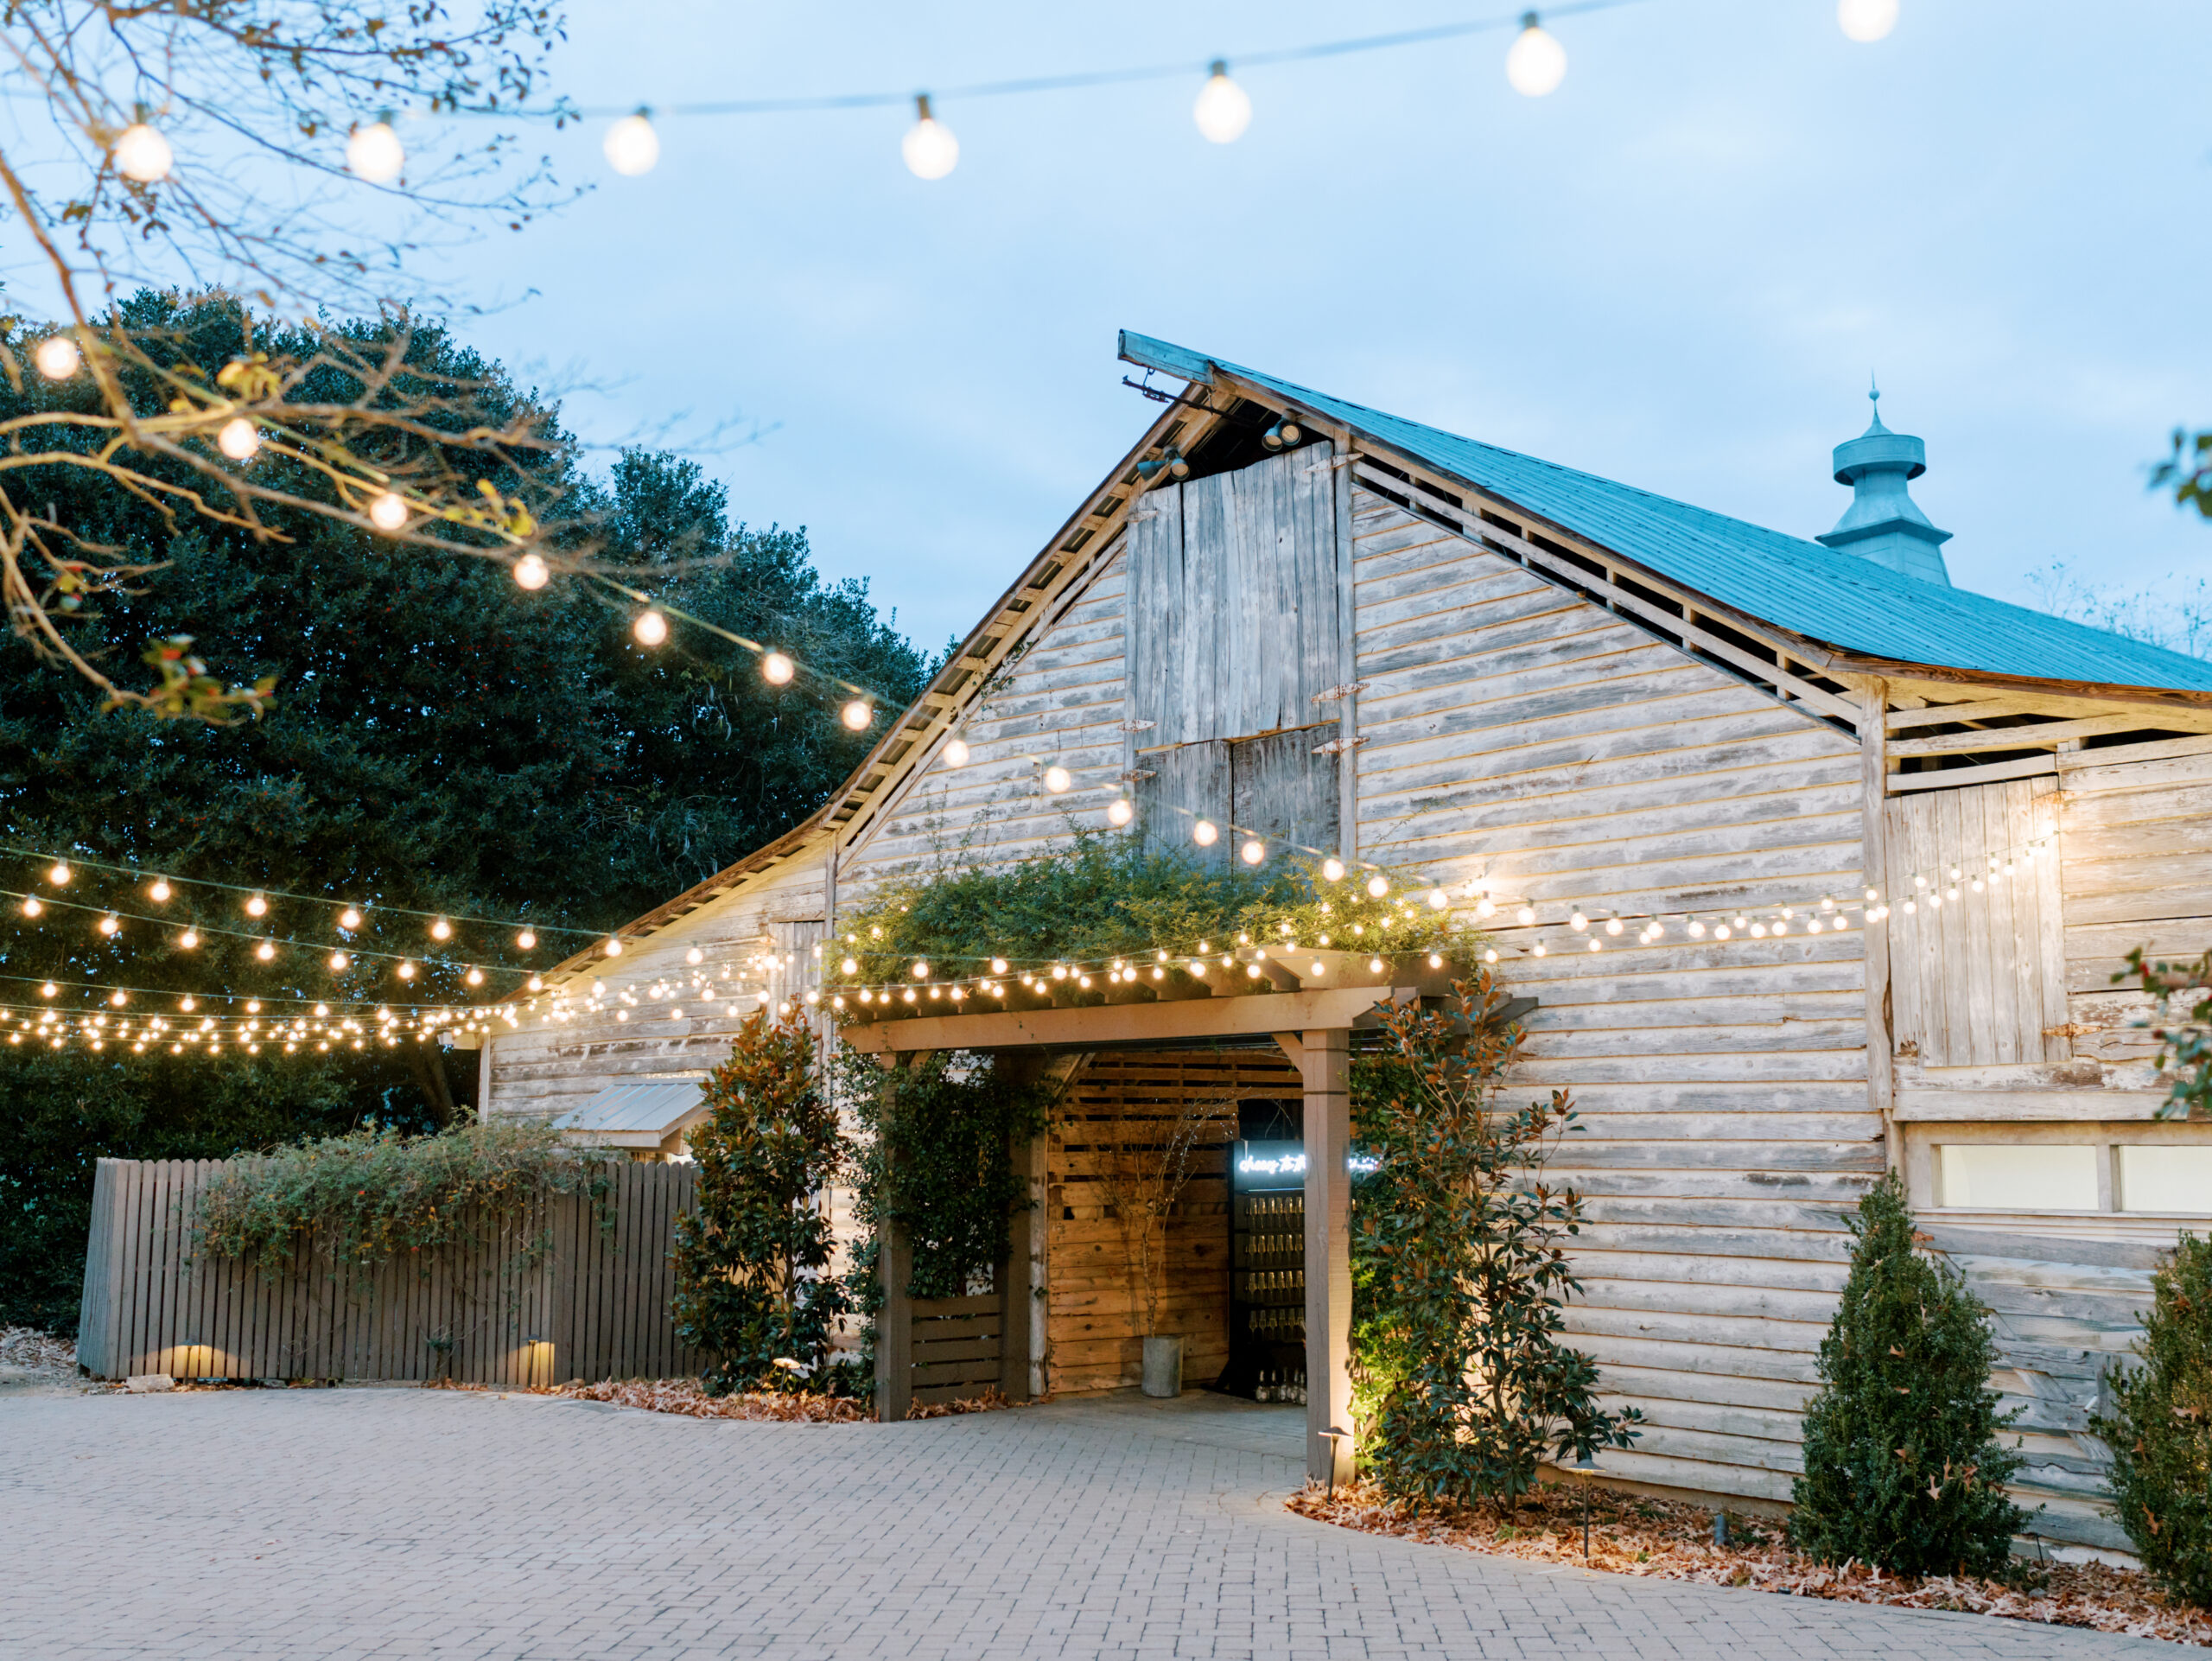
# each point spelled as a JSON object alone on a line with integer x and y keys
{"x": 1667, "y": 1540}
{"x": 47, "y": 1358}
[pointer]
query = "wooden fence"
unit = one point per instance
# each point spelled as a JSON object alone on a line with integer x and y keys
{"x": 553, "y": 1296}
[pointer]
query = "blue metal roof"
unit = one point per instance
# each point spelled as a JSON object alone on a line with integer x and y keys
{"x": 1790, "y": 581}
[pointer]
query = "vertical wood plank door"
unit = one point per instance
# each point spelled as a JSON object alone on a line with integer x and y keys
{"x": 1980, "y": 978}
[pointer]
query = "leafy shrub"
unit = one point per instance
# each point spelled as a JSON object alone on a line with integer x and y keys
{"x": 2160, "y": 1428}
{"x": 1106, "y": 896}
{"x": 376, "y": 1194}
{"x": 2185, "y": 1044}
{"x": 751, "y": 1286}
{"x": 1903, "y": 1467}
{"x": 1460, "y": 1267}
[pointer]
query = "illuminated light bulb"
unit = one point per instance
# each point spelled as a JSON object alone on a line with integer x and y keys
{"x": 338, "y": 960}
{"x": 1252, "y": 970}
{"x": 109, "y": 925}
{"x": 1435, "y": 961}
{"x": 1377, "y": 887}
{"x": 238, "y": 439}
{"x": 1720, "y": 933}
{"x": 777, "y": 669}
{"x": 1934, "y": 902}
{"x": 1911, "y": 907}
{"x": 527, "y": 940}
{"x": 265, "y": 951}
{"x": 1204, "y": 833}
{"x": 374, "y": 153}
{"x": 1539, "y": 948}
{"x": 651, "y": 628}
{"x": 1759, "y": 931}
{"x": 1951, "y": 893}
{"x": 1812, "y": 925}
{"x": 1437, "y": 899}
{"x": 631, "y": 146}
{"x": 189, "y": 939}
{"x": 998, "y": 965}
{"x": 1491, "y": 955}
{"x": 1120, "y": 811}
{"x": 1253, "y": 852}
{"x": 1578, "y": 921}
{"x": 1223, "y": 111}
{"x": 475, "y": 978}
{"x": 1333, "y": 870}
{"x": 1613, "y": 926}
{"x": 1057, "y": 779}
{"x": 1525, "y": 916}
{"x": 440, "y": 930}
{"x": 48, "y": 989}
{"x": 850, "y": 966}
{"x": 857, "y": 714}
{"x": 31, "y": 906}
{"x": 694, "y": 956}
{"x": 1535, "y": 63}
{"x": 59, "y": 875}
{"x": 1866, "y": 20}
{"x": 910, "y": 995}
{"x": 1597, "y": 944}
{"x": 532, "y": 573}
{"x": 160, "y": 890}
{"x": 406, "y": 972}
{"x": 142, "y": 153}
{"x": 920, "y": 970}
{"x": 1871, "y": 895}
{"x": 257, "y": 907}
{"x": 930, "y": 150}
{"x": 57, "y": 357}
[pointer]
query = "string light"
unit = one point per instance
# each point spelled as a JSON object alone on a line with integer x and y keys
{"x": 533, "y": 574}
{"x": 57, "y": 357}
{"x": 350, "y": 918}
{"x": 265, "y": 951}
{"x": 858, "y": 714}
{"x": 1535, "y": 63}
{"x": 374, "y": 153}
{"x": 1204, "y": 833}
{"x": 257, "y": 907}
{"x": 1866, "y": 20}
{"x": 1057, "y": 779}
{"x": 1253, "y": 852}
{"x": 189, "y": 939}
{"x": 110, "y": 924}
{"x": 651, "y": 628}
{"x": 777, "y": 669}
{"x": 631, "y": 146}
{"x": 527, "y": 940}
{"x": 1224, "y": 110}
{"x": 238, "y": 439}
{"x": 440, "y": 930}
{"x": 60, "y": 875}
{"x": 1120, "y": 811}
{"x": 160, "y": 891}
{"x": 31, "y": 906}
{"x": 930, "y": 150}
{"x": 142, "y": 155}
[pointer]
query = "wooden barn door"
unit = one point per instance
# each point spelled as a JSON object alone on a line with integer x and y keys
{"x": 1979, "y": 980}
{"x": 1235, "y": 625}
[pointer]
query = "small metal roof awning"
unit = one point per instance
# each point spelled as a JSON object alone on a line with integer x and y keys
{"x": 644, "y": 1114}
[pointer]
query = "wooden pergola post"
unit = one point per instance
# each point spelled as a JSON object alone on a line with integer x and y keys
{"x": 1324, "y": 1062}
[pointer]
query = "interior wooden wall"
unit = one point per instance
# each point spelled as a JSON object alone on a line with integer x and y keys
{"x": 1094, "y": 1341}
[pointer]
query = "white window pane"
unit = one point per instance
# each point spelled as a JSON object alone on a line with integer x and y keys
{"x": 2165, "y": 1178}
{"x": 2031, "y": 1176}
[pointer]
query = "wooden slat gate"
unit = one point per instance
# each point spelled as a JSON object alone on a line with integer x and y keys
{"x": 548, "y": 1297}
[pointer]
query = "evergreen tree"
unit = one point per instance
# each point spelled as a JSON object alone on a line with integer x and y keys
{"x": 443, "y": 741}
{"x": 2160, "y": 1428}
{"x": 1903, "y": 1467}
{"x": 753, "y": 1285}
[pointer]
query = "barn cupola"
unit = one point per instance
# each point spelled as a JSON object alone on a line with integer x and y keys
{"x": 1884, "y": 524}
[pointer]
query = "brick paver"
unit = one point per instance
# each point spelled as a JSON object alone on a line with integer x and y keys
{"x": 347, "y": 1524}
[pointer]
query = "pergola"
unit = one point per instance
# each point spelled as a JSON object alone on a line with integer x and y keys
{"x": 1309, "y": 1003}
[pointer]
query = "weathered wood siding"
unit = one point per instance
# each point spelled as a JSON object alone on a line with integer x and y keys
{"x": 1516, "y": 732}
{"x": 1061, "y": 703}
{"x": 546, "y": 1066}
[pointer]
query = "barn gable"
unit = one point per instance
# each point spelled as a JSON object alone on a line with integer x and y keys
{"x": 1572, "y": 697}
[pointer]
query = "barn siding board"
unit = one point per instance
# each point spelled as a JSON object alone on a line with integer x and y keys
{"x": 1521, "y": 735}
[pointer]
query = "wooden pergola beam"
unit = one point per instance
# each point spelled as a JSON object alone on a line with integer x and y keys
{"x": 1109, "y": 1026}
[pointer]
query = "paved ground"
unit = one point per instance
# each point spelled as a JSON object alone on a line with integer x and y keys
{"x": 384, "y": 1523}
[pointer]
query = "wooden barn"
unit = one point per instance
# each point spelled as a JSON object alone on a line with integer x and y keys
{"x": 1813, "y": 864}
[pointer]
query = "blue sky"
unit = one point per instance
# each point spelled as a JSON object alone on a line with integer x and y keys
{"x": 1677, "y": 270}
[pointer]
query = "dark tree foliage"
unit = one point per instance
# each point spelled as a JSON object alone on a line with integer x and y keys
{"x": 753, "y": 1285}
{"x": 2160, "y": 1428}
{"x": 1461, "y": 1267}
{"x": 1903, "y": 1467}
{"x": 441, "y": 741}
{"x": 936, "y": 1162}
{"x": 59, "y": 1115}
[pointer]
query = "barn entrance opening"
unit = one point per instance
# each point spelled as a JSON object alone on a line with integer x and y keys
{"x": 1267, "y": 1253}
